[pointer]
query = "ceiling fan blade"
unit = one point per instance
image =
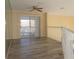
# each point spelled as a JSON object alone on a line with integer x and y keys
{"x": 39, "y": 10}
{"x": 34, "y": 7}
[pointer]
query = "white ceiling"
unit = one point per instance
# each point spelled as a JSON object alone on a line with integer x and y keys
{"x": 55, "y": 7}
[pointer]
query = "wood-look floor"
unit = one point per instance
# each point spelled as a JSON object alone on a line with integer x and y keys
{"x": 32, "y": 48}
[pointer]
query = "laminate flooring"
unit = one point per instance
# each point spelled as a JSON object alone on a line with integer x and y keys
{"x": 34, "y": 48}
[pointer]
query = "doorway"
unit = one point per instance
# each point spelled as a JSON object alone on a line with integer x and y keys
{"x": 30, "y": 26}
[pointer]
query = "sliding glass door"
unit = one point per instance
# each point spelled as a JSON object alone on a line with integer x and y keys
{"x": 30, "y": 26}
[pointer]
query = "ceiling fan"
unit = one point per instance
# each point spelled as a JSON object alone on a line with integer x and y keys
{"x": 36, "y": 8}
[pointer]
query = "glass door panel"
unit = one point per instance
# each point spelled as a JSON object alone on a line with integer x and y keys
{"x": 30, "y": 26}
{"x": 35, "y": 26}
{"x": 25, "y": 27}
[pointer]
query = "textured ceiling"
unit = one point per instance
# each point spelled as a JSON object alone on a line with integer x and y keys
{"x": 55, "y": 7}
